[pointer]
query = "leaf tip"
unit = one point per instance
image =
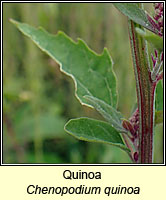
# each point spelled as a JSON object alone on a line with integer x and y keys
{"x": 65, "y": 126}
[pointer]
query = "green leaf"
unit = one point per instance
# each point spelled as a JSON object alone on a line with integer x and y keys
{"x": 108, "y": 112}
{"x": 92, "y": 73}
{"x": 94, "y": 131}
{"x": 136, "y": 14}
{"x": 152, "y": 38}
{"x": 159, "y": 96}
{"x": 158, "y": 117}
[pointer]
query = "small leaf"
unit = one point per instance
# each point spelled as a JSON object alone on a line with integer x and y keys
{"x": 159, "y": 96}
{"x": 108, "y": 112}
{"x": 94, "y": 131}
{"x": 152, "y": 38}
{"x": 136, "y": 14}
{"x": 89, "y": 71}
{"x": 158, "y": 117}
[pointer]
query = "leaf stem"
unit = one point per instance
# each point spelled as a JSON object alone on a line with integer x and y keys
{"x": 145, "y": 93}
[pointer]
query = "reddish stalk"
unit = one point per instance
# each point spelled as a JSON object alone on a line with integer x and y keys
{"x": 145, "y": 94}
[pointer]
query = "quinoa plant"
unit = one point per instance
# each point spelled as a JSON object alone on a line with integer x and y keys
{"x": 95, "y": 81}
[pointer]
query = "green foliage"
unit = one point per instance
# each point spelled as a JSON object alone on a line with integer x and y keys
{"x": 34, "y": 87}
{"x": 94, "y": 131}
{"x": 108, "y": 112}
{"x": 152, "y": 38}
{"x": 89, "y": 72}
{"x": 136, "y": 14}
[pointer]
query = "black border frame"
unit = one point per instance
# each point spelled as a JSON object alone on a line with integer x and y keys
{"x": 106, "y": 164}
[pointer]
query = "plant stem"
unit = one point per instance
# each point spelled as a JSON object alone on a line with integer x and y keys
{"x": 145, "y": 94}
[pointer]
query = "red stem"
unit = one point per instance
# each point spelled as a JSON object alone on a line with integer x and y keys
{"x": 145, "y": 94}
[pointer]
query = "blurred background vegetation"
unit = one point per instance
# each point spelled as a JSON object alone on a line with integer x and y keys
{"x": 38, "y": 99}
